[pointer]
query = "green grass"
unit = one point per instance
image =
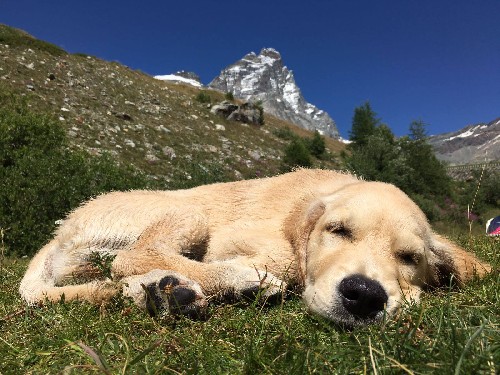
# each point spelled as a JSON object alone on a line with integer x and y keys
{"x": 448, "y": 333}
{"x": 18, "y": 38}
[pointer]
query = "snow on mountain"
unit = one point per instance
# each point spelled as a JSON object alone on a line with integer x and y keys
{"x": 473, "y": 144}
{"x": 182, "y": 77}
{"x": 264, "y": 77}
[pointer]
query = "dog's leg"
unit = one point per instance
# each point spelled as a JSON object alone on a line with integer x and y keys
{"x": 164, "y": 246}
{"x": 223, "y": 278}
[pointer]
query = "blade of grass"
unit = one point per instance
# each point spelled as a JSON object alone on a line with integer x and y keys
{"x": 398, "y": 364}
{"x": 467, "y": 346}
{"x": 371, "y": 356}
{"x": 95, "y": 357}
{"x": 143, "y": 354}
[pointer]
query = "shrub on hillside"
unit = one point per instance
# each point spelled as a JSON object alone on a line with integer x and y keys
{"x": 258, "y": 104}
{"x": 316, "y": 145}
{"x": 300, "y": 151}
{"x": 284, "y": 133}
{"x": 296, "y": 155}
{"x": 203, "y": 97}
{"x": 41, "y": 180}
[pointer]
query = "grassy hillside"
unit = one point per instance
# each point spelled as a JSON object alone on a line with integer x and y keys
{"x": 155, "y": 126}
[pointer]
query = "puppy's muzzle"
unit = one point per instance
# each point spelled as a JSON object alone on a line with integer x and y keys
{"x": 362, "y": 297}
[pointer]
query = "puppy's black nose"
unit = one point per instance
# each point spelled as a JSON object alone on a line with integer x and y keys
{"x": 362, "y": 297}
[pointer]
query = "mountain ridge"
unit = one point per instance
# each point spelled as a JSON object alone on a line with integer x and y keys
{"x": 477, "y": 143}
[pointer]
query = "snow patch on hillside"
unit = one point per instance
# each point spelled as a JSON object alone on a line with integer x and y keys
{"x": 178, "y": 79}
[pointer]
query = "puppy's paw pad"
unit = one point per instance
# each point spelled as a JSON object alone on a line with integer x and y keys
{"x": 162, "y": 291}
{"x": 168, "y": 281}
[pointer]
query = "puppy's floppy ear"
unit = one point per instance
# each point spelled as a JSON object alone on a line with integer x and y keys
{"x": 450, "y": 263}
{"x": 298, "y": 227}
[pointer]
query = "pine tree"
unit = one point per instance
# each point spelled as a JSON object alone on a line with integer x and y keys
{"x": 364, "y": 123}
{"x": 317, "y": 145}
{"x": 296, "y": 155}
{"x": 429, "y": 173}
{"x": 418, "y": 131}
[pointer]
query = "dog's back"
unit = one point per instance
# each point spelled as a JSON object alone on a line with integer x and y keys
{"x": 113, "y": 222}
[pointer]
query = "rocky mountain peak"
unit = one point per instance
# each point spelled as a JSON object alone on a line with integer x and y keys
{"x": 265, "y": 78}
{"x": 270, "y": 53}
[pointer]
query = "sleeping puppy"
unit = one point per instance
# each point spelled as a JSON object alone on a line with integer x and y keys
{"x": 358, "y": 250}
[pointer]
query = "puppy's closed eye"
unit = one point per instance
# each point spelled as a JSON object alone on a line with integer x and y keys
{"x": 339, "y": 229}
{"x": 408, "y": 258}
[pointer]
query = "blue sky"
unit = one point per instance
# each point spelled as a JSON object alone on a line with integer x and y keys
{"x": 438, "y": 61}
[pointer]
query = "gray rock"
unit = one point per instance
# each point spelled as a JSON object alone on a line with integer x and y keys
{"x": 150, "y": 158}
{"x": 169, "y": 152}
{"x": 224, "y": 109}
{"x": 129, "y": 143}
{"x": 254, "y": 155}
{"x": 248, "y": 113}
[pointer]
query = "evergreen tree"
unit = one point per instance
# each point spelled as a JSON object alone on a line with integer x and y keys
{"x": 418, "y": 131}
{"x": 229, "y": 96}
{"x": 408, "y": 162}
{"x": 296, "y": 155}
{"x": 429, "y": 173}
{"x": 380, "y": 159}
{"x": 317, "y": 145}
{"x": 364, "y": 123}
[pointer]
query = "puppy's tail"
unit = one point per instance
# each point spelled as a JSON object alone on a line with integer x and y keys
{"x": 39, "y": 282}
{"x": 39, "y": 276}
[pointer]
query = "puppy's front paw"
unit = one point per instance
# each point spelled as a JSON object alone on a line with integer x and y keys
{"x": 250, "y": 283}
{"x": 161, "y": 291}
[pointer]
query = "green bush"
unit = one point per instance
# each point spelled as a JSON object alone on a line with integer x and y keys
{"x": 41, "y": 180}
{"x": 296, "y": 155}
{"x": 203, "y": 97}
{"x": 428, "y": 206}
{"x": 284, "y": 133}
{"x": 301, "y": 149}
{"x": 258, "y": 104}
{"x": 229, "y": 96}
{"x": 316, "y": 145}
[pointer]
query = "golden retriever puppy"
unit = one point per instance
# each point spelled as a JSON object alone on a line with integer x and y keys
{"x": 357, "y": 249}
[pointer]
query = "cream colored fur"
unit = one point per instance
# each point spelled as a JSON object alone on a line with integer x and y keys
{"x": 313, "y": 228}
